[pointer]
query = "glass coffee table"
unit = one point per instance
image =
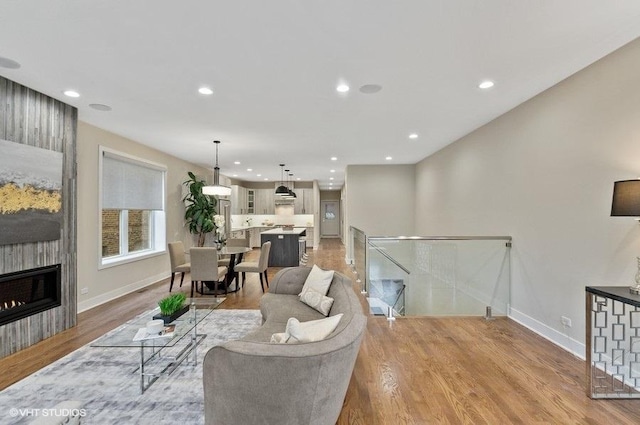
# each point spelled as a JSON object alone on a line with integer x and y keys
{"x": 162, "y": 354}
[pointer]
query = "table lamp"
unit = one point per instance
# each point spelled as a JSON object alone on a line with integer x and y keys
{"x": 626, "y": 203}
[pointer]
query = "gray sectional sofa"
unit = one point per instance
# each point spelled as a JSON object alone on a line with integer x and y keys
{"x": 254, "y": 381}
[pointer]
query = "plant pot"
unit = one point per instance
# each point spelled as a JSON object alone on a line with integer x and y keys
{"x": 174, "y": 316}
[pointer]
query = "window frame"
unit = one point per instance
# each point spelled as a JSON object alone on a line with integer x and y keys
{"x": 157, "y": 225}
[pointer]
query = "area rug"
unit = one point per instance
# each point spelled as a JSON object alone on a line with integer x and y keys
{"x": 105, "y": 382}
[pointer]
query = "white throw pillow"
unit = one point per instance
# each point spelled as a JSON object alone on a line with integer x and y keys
{"x": 319, "y": 280}
{"x": 316, "y": 300}
{"x": 279, "y": 338}
{"x": 311, "y": 331}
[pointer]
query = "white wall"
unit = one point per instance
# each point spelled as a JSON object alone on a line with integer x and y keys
{"x": 112, "y": 282}
{"x": 543, "y": 173}
{"x": 380, "y": 199}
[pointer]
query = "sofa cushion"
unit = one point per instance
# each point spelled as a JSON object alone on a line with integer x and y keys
{"x": 319, "y": 280}
{"x": 317, "y": 301}
{"x": 279, "y": 308}
{"x": 311, "y": 331}
{"x": 264, "y": 332}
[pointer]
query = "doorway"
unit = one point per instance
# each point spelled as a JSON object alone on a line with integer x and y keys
{"x": 330, "y": 219}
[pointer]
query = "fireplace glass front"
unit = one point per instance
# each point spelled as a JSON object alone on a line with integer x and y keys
{"x": 28, "y": 292}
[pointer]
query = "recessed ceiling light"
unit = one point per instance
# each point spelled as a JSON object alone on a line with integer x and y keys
{"x": 235, "y": 175}
{"x": 413, "y": 136}
{"x": 100, "y": 107}
{"x": 370, "y": 88}
{"x": 334, "y": 158}
{"x": 237, "y": 162}
{"x": 332, "y": 171}
{"x": 205, "y": 90}
{"x": 258, "y": 175}
{"x": 486, "y": 84}
{"x": 342, "y": 88}
{"x": 330, "y": 178}
{"x": 299, "y": 178}
{"x": 266, "y": 179}
{"x": 249, "y": 169}
{"x": 71, "y": 93}
{"x": 8, "y": 63}
{"x": 388, "y": 158}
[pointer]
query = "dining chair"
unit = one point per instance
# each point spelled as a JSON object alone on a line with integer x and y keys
{"x": 259, "y": 266}
{"x": 178, "y": 262}
{"x": 205, "y": 268}
{"x": 224, "y": 261}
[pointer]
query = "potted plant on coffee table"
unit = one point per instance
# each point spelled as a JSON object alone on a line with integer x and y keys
{"x": 172, "y": 307}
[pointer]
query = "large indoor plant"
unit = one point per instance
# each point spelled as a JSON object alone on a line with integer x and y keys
{"x": 200, "y": 208}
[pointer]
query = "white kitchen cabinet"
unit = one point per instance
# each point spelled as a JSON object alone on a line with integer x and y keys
{"x": 309, "y": 203}
{"x": 251, "y": 201}
{"x": 298, "y": 202}
{"x": 238, "y": 199}
{"x": 265, "y": 201}
{"x": 255, "y": 236}
{"x": 309, "y": 237}
{"x": 238, "y": 234}
{"x": 303, "y": 204}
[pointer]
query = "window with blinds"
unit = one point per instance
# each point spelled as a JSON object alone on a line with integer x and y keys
{"x": 132, "y": 219}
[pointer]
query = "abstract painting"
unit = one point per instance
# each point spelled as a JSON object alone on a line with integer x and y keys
{"x": 30, "y": 193}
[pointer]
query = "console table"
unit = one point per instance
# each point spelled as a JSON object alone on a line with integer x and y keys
{"x": 612, "y": 342}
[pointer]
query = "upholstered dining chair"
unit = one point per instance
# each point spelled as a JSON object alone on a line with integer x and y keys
{"x": 224, "y": 261}
{"x": 259, "y": 267}
{"x": 178, "y": 262}
{"x": 205, "y": 268}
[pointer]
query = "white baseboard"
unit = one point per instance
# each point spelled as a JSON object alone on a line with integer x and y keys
{"x": 118, "y": 292}
{"x": 560, "y": 339}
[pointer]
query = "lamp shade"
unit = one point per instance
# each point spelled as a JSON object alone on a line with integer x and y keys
{"x": 216, "y": 189}
{"x": 282, "y": 190}
{"x": 626, "y": 198}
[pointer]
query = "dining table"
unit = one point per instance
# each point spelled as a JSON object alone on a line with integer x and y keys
{"x": 235, "y": 254}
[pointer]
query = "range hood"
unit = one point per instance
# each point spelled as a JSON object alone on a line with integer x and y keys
{"x": 280, "y": 200}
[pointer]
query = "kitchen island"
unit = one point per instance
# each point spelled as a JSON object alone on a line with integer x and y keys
{"x": 287, "y": 246}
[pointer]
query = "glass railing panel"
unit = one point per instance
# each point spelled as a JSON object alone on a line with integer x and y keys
{"x": 445, "y": 276}
{"x": 357, "y": 254}
{"x": 386, "y": 282}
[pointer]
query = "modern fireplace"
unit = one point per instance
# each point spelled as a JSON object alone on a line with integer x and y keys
{"x": 28, "y": 292}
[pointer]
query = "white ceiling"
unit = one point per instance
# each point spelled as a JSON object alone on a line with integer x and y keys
{"x": 274, "y": 65}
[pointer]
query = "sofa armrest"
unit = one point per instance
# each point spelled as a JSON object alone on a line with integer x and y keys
{"x": 285, "y": 384}
{"x": 289, "y": 281}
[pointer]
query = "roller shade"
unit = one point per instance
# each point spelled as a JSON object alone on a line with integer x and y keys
{"x": 128, "y": 184}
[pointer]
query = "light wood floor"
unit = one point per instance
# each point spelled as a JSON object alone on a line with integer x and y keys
{"x": 411, "y": 371}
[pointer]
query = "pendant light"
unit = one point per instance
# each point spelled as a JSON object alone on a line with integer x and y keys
{"x": 282, "y": 189}
{"x": 292, "y": 194}
{"x": 288, "y": 194}
{"x": 217, "y": 189}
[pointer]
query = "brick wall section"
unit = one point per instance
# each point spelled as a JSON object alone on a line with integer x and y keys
{"x": 138, "y": 231}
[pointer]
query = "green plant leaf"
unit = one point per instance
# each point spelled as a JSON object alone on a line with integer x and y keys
{"x": 172, "y": 303}
{"x": 199, "y": 208}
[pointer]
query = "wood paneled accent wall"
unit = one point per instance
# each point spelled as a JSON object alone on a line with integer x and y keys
{"x": 35, "y": 119}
